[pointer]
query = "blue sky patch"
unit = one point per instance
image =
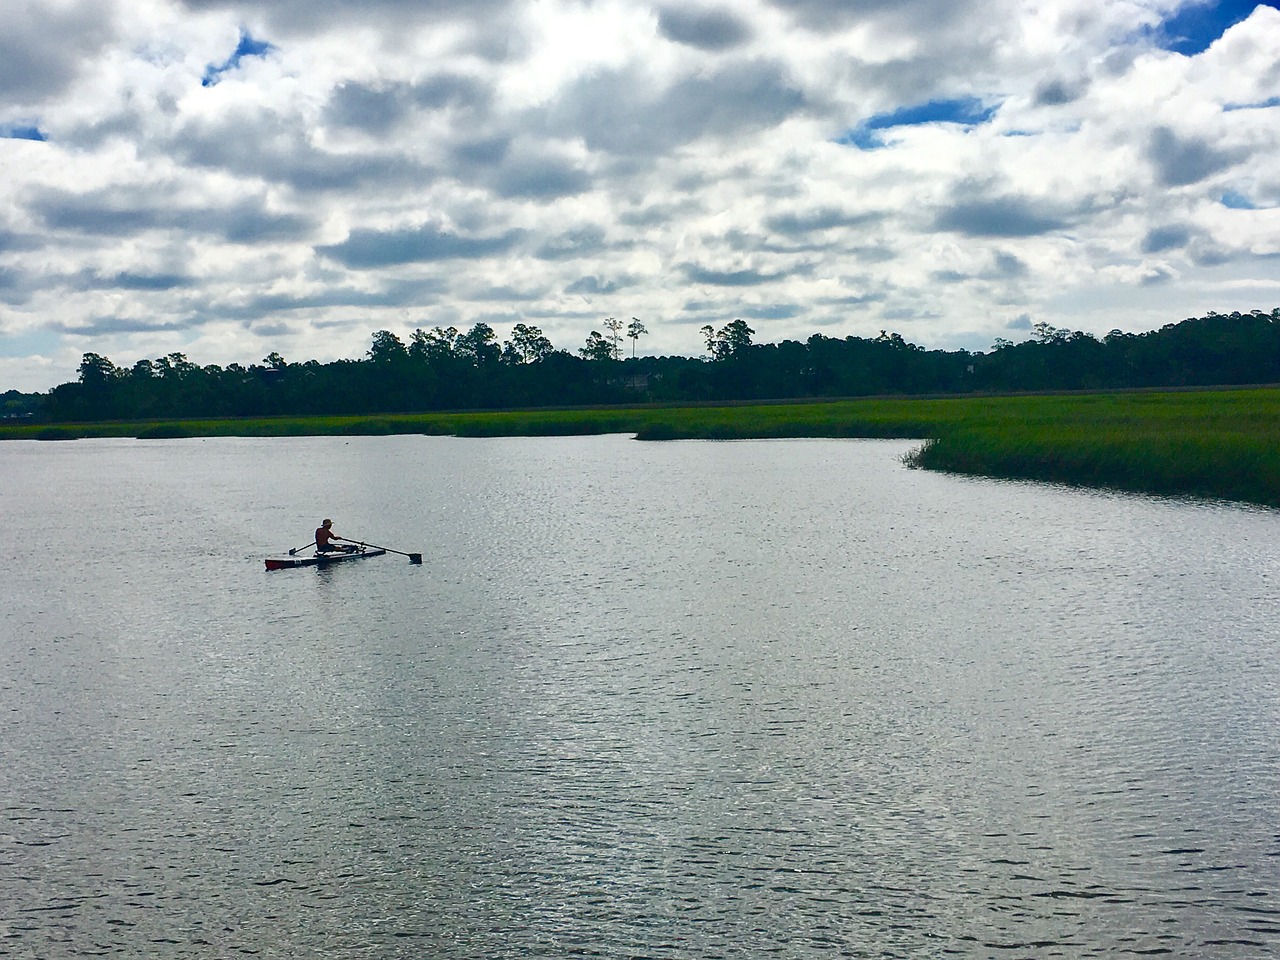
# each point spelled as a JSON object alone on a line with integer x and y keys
{"x": 1237, "y": 201}
{"x": 22, "y": 133}
{"x": 966, "y": 111}
{"x": 1261, "y": 105}
{"x": 1197, "y": 24}
{"x": 38, "y": 342}
{"x": 247, "y": 47}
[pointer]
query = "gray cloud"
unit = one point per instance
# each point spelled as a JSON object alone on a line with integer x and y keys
{"x": 1206, "y": 253}
{"x": 94, "y": 214}
{"x": 1008, "y": 266}
{"x": 705, "y": 28}
{"x": 776, "y": 311}
{"x": 612, "y": 112}
{"x": 503, "y": 293}
{"x": 818, "y": 242}
{"x": 825, "y": 14}
{"x": 127, "y": 280}
{"x": 655, "y": 214}
{"x": 1011, "y": 216}
{"x": 123, "y": 213}
{"x": 1157, "y": 275}
{"x": 1171, "y": 237}
{"x": 120, "y": 125}
{"x": 276, "y": 148}
{"x": 455, "y": 90}
{"x": 368, "y": 108}
{"x": 379, "y": 108}
{"x": 100, "y": 326}
{"x": 827, "y": 218}
{"x": 583, "y": 242}
{"x": 908, "y": 314}
{"x": 699, "y": 311}
{"x": 729, "y": 278}
{"x": 377, "y": 248}
{"x": 311, "y": 16}
{"x": 397, "y": 294}
{"x": 334, "y": 297}
{"x": 594, "y": 286}
{"x": 539, "y": 178}
{"x": 873, "y": 254}
{"x": 16, "y": 286}
{"x": 485, "y": 152}
{"x": 1180, "y": 161}
{"x": 1057, "y": 92}
{"x": 249, "y": 223}
{"x": 11, "y": 242}
{"x": 920, "y": 16}
{"x": 854, "y": 300}
{"x": 43, "y": 46}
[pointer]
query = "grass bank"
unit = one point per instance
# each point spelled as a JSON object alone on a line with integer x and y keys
{"x": 1223, "y": 444}
{"x": 1212, "y": 443}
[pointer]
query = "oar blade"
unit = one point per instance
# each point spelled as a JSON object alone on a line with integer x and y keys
{"x": 416, "y": 559}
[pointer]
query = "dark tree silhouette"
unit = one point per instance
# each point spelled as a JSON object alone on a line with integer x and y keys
{"x": 445, "y": 369}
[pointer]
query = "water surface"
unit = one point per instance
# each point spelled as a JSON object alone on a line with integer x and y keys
{"x": 640, "y": 700}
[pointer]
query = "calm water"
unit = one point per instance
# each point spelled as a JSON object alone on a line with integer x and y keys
{"x": 682, "y": 700}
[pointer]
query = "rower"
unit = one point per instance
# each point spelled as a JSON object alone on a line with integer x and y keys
{"x": 325, "y": 537}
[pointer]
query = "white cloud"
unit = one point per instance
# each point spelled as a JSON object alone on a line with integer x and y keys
{"x": 411, "y": 162}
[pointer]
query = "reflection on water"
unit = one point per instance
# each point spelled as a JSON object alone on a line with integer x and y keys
{"x": 640, "y": 700}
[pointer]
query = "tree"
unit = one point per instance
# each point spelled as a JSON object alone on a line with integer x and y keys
{"x": 20, "y": 405}
{"x": 528, "y": 344}
{"x": 175, "y": 366}
{"x": 635, "y": 330}
{"x": 1046, "y": 333}
{"x": 713, "y": 343}
{"x": 479, "y": 345}
{"x": 597, "y": 347}
{"x": 615, "y": 335}
{"x": 731, "y": 340}
{"x": 96, "y": 371}
{"x": 434, "y": 346}
{"x": 445, "y": 369}
{"x": 387, "y": 348}
{"x": 737, "y": 335}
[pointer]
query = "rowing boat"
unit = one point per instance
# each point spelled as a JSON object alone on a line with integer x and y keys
{"x": 322, "y": 559}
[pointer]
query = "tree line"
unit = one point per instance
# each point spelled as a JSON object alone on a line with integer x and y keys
{"x": 448, "y": 369}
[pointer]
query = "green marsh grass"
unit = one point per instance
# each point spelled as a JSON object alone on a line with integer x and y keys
{"x": 1211, "y": 443}
{"x": 1218, "y": 444}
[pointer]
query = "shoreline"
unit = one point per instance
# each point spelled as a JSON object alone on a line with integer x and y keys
{"x": 1218, "y": 443}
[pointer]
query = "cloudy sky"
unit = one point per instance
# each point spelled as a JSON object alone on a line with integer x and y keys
{"x": 227, "y": 178}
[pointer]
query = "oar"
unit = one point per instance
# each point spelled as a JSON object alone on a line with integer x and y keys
{"x": 296, "y": 549}
{"x": 413, "y": 557}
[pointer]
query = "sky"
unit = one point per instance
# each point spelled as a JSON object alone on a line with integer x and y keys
{"x": 227, "y": 179}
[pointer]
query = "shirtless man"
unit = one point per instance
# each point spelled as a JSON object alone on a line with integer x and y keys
{"x": 325, "y": 536}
